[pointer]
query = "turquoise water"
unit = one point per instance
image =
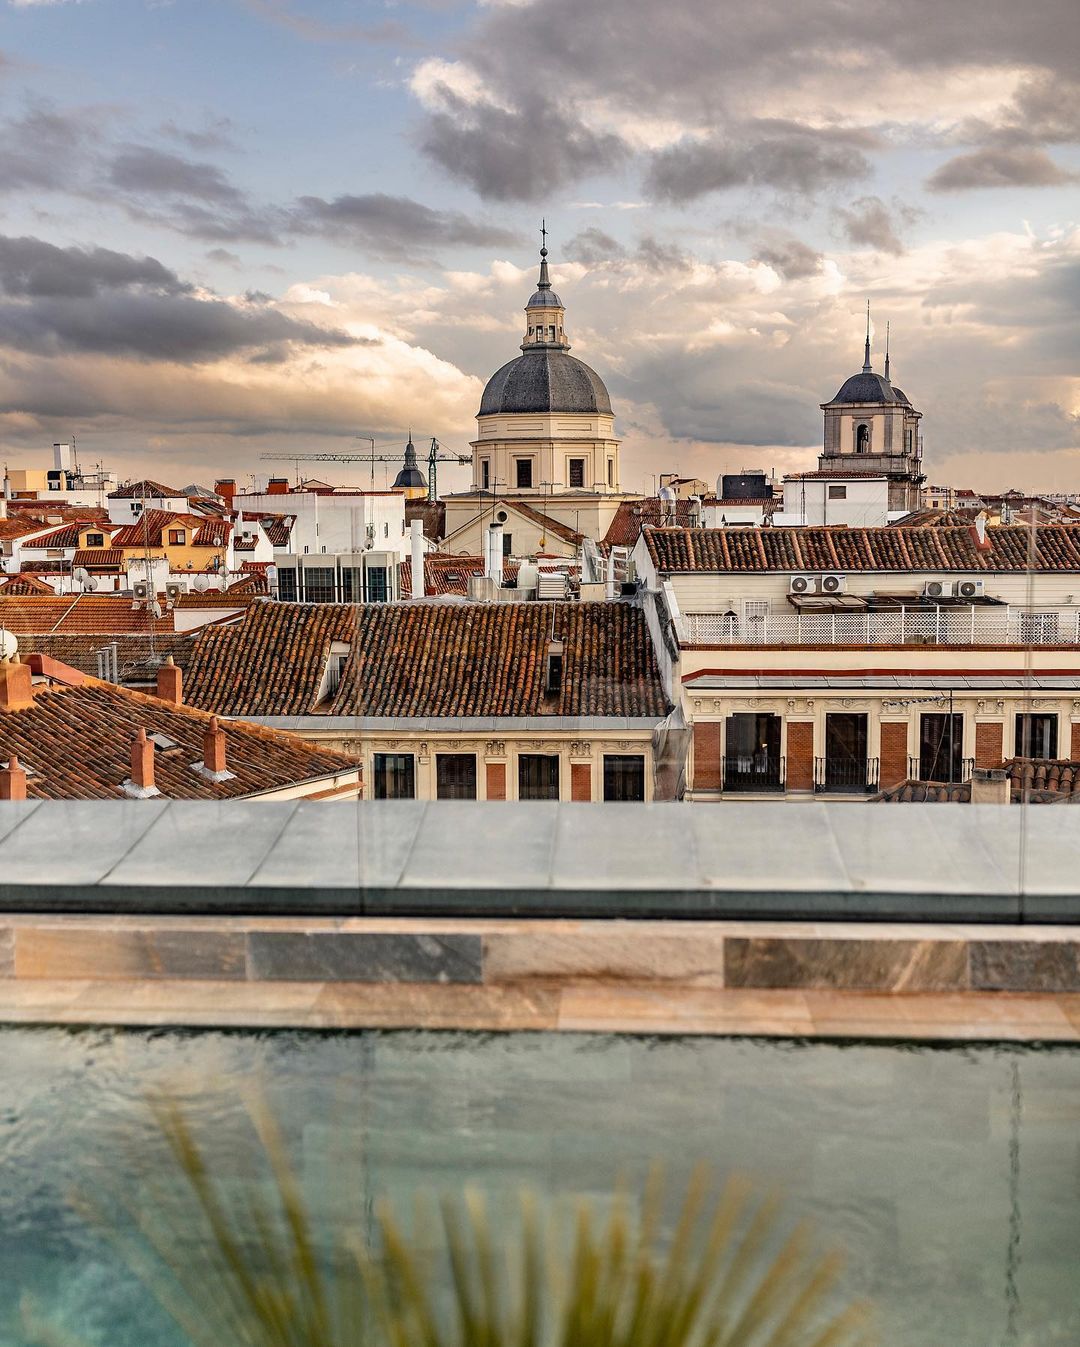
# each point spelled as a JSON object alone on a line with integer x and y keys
{"x": 952, "y": 1176}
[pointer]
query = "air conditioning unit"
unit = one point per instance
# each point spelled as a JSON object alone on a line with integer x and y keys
{"x": 803, "y": 584}
{"x": 939, "y": 589}
{"x": 833, "y": 584}
{"x": 970, "y": 589}
{"x": 141, "y": 590}
{"x": 173, "y": 591}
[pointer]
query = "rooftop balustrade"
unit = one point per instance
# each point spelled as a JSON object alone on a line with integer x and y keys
{"x": 968, "y": 625}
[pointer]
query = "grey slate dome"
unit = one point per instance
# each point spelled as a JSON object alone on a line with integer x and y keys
{"x": 868, "y": 387}
{"x": 410, "y": 475}
{"x": 545, "y": 380}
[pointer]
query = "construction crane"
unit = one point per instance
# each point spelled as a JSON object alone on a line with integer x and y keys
{"x": 436, "y": 454}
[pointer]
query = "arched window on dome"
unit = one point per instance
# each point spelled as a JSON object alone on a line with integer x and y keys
{"x": 862, "y": 438}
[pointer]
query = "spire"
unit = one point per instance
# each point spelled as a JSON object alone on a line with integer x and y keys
{"x": 544, "y": 283}
{"x": 887, "y": 326}
{"x": 866, "y": 359}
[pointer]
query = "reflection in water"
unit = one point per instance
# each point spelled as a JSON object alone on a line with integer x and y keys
{"x": 907, "y": 1157}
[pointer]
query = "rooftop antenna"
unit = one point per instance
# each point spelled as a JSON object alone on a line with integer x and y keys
{"x": 866, "y": 359}
{"x": 887, "y": 326}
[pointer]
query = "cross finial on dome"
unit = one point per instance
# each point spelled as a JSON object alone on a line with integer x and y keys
{"x": 544, "y": 283}
{"x": 866, "y": 359}
{"x": 887, "y": 326}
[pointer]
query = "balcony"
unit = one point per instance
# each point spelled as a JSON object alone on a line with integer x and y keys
{"x": 846, "y": 776}
{"x": 753, "y": 773}
{"x": 968, "y": 625}
{"x": 919, "y": 769}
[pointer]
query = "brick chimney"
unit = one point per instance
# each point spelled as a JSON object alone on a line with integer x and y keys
{"x": 16, "y": 685}
{"x": 278, "y": 486}
{"x": 142, "y": 762}
{"x": 225, "y": 487}
{"x": 170, "y": 682}
{"x": 214, "y": 747}
{"x": 12, "y": 781}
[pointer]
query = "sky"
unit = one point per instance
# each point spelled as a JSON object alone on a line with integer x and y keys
{"x": 231, "y": 228}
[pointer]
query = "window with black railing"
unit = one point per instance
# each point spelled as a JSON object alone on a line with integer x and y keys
{"x": 942, "y": 769}
{"x": 455, "y": 776}
{"x": 758, "y": 771}
{"x": 846, "y": 775}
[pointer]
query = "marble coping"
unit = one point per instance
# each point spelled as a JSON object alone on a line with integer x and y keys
{"x": 668, "y": 955}
{"x": 756, "y": 860}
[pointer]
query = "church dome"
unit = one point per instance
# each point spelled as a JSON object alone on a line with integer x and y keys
{"x": 869, "y": 387}
{"x": 545, "y": 380}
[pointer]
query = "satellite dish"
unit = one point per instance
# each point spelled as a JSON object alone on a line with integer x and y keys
{"x": 271, "y": 574}
{"x": 9, "y": 645}
{"x": 201, "y": 583}
{"x": 155, "y": 608}
{"x": 89, "y": 584}
{"x": 81, "y": 574}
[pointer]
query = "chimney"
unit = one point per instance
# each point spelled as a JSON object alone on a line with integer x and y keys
{"x": 142, "y": 763}
{"x": 214, "y": 747}
{"x": 225, "y": 487}
{"x": 278, "y": 486}
{"x": 16, "y": 685}
{"x": 170, "y": 682}
{"x": 12, "y": 781}
{"x": 495, "y": 553}
{"x": 990, "y": 785}
{"x": 416, "y": 541}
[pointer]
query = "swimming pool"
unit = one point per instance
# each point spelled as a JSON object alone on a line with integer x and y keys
{"x": 950, "y": 1175}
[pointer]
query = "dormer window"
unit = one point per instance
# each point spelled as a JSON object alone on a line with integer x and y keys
{"x": 95, "y": 540}
{"x": 176, "y": 537}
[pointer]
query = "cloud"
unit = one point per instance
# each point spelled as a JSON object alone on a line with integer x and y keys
{"x": 141, "y": 169}
{"x": 33, "y": 268}
{"x": 516, "y": 154}
{"x": 792, "y": 258}
{"x": 998, "y": 166}
{"x": 870, "y": 223}
{"x": 60, "y": 300}
{"x": 216, "y": 135}
{"x": 591, "y": 246}
{"x": 316, "y": 30}
{"x": 44, "y": 149}
{"x": 786, "y": 157}
{"x": 394, "y": 226}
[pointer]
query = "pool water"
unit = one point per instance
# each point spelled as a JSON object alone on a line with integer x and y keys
{"x": 950, "y": 1175}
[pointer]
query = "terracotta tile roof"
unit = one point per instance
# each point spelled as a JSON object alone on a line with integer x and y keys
{"x": 1057, "y": 548}
{"x": 216, "y": 598}
{"x": 148, "y": 529}
{"x": 545, "y": 521}
{"x": 148, "y": 488}
{"x": 632, "y": 516}
{"x": 829, "y": 473}
{"x": 67, "y": 535}
{"x": 279, "y": 529}
{"x": 1044, "y": 781}
{"x": 25, "y": 584}
{"x": 212, "y": 533}
{"x": 20, "y": 526}
{"x": 106, "y": 614}
{"x": 78, "y": 741}
{"x": 445, "y": 573}
{"x": 255, "y": 584}
{"x": 429, "y": 659}
{"x": 99, "y": 558}
{"x": 136, "y": 656}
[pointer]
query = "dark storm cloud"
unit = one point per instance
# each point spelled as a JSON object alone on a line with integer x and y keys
{"x": 62, "y": 300}
{"x": 519, "y": 154}
{"x": 870, "y": 222}
{"x": 998, "y": 166}
{"x": 792, "y": 258}
{"x": 780, "y": 155}
{"x": 394, "y": 226}
{"x": 31, "y": 267}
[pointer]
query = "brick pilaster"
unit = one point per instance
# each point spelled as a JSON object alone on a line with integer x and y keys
{"x": 496, "y": 780}
{"x": 800, "y": 755}
{"x": 580, "y": 781}
{"x": 894, "y": 754}
{"x": 708, "y": 735}
{"x": 989, "y": 744}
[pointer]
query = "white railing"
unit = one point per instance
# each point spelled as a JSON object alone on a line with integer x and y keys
{"x": 935, "y": 626}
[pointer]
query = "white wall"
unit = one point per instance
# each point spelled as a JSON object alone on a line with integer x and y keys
{"x": 807, "y": 502}
{"x": 338, "y": 523}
